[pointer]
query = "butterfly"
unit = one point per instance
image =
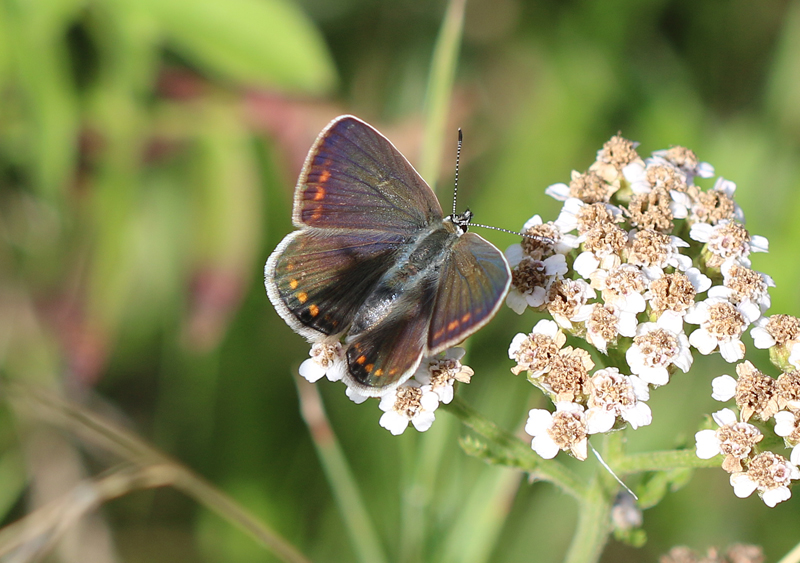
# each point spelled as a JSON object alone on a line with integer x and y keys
{"x": 375, "y": 264}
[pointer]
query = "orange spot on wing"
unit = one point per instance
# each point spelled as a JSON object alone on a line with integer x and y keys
{"x": 293, "y": 284}
{"x": 452, "y": 325}
{"x": 302, "y": 297}
{"x": 320, "y": 193}
{"x": 378, "y": 372}
{"x": 360, "y": 360}
{"x": 314, "y": 310}
{"x": 466, "y": 317}
{"x": 369, "y": 367}
{"x": 326, "y": 174}
{"x": 317, "y": 213}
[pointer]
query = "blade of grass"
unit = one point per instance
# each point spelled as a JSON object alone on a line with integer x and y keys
{"x": 100, "y": 432}
{"x": 343, "y": 485}
{"x": 34, "y": 535}
{"x": 420, "y": 485}
{"x": 440, "y": 88}
{"x": 473, "y": 536}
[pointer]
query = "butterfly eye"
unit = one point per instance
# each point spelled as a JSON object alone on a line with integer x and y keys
{"x": 461, "y": 221}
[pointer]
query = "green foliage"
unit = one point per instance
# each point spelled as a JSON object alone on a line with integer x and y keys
{"x": 659, "y": 483}
{"x": 256, "y": 42}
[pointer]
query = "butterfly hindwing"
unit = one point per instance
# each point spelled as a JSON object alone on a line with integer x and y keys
{"x": 473, "y": 282}
{"x": 388, "y": 352}
{"x": 317, "y": 279}
{"x": 354, "y": 178}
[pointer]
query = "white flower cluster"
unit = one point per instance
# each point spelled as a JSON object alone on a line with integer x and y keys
{"x": 757, "y": 395}
{"x": 412, "y": 402}
{"x": 637, "y": 253}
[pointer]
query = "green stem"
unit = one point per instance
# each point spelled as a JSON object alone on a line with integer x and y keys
{"x": 594, "y": 526}
{"x": 513, "y": 452}
{"x": 343, "y": 484}
{"x": 661, "y": 461}
{"x": 793, "y": 556}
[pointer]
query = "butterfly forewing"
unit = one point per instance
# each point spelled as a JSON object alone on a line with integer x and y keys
{"x": 354, "y": 178}
{"x": 321, "y": 278}
{"x": 473, "y": 283}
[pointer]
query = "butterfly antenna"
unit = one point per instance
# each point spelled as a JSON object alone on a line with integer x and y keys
{"x": 455, "y": 196}
{"x": 458, "y": 157}
{"x": 540, "y": 238}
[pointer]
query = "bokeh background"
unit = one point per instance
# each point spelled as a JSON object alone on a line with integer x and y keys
{"x": 148, "y": 153}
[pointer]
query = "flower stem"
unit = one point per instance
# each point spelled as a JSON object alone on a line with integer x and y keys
{"x": 661, "y": 461}
{"x": 593, "y": 528}
{"x": 506, "y": 449}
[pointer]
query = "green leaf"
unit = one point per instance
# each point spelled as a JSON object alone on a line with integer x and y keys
{"x": 36, "y": 36}
{"x": 655, "y": 488}
{"x": 265, "y": 42}
{"x": 635, "y": 537}
{"x": 12, "y": 480}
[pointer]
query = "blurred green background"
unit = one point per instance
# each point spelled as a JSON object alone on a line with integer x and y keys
{"x": 148, "y": 153}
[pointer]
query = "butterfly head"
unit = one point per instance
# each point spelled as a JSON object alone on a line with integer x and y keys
{"x": 460, "y": 221}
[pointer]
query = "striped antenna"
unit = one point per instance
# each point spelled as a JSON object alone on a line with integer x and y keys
{"x": 467, "y": 216}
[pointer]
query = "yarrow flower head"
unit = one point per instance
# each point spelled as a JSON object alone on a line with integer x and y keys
{"x": 733, "y": 439}
{"x": 410, "y": 403}
{"x": 534, "y": 352}
{"x": 727, "y": 240}
{"x": 721, "y": 326}
{"x": 565, "y": 429}
{"x": 641, "y": 252}
{"x": 781, "y": 335}
{"x": 567, "y": 301}
{"x": 744, "y": 287}
{"x": 566, "y": 379}
{"x": 655, "y": 350}
{"x": 613, "y": 395}
{"x": 440, "y": 372}
{"x": 768, "y": 473}
{"x": 788, "y": 390}
{"x": 685, "y": 160}
{"x": 754, "y": 391}
{"x": 671, "y": 296}
{"x": 327, "y": 359}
